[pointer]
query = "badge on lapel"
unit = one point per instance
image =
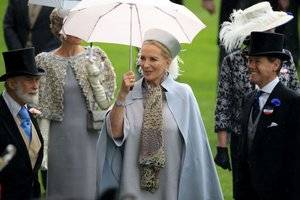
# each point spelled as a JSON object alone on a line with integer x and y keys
{"x": 268, "y": 110}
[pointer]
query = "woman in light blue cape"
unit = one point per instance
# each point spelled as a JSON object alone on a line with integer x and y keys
{"x": 154, "y": 144}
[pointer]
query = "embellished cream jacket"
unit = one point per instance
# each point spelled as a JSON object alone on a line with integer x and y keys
{"x": 52, "y": 85}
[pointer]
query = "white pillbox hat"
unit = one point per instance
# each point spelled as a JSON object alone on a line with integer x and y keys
{"x": 165, "y": 38}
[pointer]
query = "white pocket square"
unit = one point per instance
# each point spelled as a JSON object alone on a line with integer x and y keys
{"x": 272, "y": 125}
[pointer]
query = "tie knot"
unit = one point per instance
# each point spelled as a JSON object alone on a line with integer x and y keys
{"x": 23, "y": 113}
{"x": 259, "y": 93}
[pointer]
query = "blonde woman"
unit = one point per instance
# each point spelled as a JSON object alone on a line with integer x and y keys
{"x": 74, "y": 96}
{"x": 159, "y": 128}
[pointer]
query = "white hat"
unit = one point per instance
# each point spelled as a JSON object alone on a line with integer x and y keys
{"x": 165, "y": 38}
{"x": 259, "y": 17}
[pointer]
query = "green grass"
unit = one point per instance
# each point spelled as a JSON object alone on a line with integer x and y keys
{"x": 2, "y": 44}
{"x": 199, "y": 71}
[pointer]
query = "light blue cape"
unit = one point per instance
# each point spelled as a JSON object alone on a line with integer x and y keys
{"x": 198, "y": 179}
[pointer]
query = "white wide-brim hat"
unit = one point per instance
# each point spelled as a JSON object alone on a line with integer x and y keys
{"x": 259, "y": 17}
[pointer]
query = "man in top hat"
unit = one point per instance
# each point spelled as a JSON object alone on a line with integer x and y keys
{"x": 270, "y": 123}
{"x": 234, "y": 83}
{"x": 19, "y": 179}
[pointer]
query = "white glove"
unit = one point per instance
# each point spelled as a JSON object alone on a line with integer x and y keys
{"x": 7, "y": 155}
{"x": 94, "y": 77}
{"x": 45, "y": 129}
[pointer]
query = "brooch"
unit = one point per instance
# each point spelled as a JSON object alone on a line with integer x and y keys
{"x": 268, "y": 110}
{"x": 275, "y": 102}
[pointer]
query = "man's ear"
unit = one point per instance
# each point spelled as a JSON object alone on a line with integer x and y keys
{"x": 11, "y": 83}
{"x": 277, "y": 64}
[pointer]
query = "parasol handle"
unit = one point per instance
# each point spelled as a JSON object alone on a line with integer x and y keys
{"x": 130, "y": 46}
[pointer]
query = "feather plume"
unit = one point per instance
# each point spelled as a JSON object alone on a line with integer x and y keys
{"x": 174, "y": 69}
{"x": 259, "y": 17}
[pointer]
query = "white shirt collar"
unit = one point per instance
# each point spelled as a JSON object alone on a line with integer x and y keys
{"x": 270, "y": 86}
{"x": 13, "y": 106}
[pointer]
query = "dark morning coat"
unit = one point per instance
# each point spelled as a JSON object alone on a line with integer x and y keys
{"x": 267, "y": 169}
{"x": 18, "y": 180}
{"x": 16, "y": 27}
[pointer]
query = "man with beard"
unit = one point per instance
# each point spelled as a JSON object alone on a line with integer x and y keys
{"x": 19, "y": 179}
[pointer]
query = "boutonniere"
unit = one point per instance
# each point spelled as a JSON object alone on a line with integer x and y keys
{"x": 268, "y": 110}
{"x": 276, "y": 102}
{"x": 35, "y": 112}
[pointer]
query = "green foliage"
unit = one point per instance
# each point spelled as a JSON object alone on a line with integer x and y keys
{"x": 199, "y": 70}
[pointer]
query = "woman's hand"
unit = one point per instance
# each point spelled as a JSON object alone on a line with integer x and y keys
{"x": 127, "y": 84}
{"x": 117, "y": 112}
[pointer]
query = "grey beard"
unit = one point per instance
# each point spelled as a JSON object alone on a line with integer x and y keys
{"x": 32, "y": 100}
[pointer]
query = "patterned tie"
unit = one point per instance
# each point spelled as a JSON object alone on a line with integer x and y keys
{"x": 255, "y": 106}
{"x": 25, "y": 121}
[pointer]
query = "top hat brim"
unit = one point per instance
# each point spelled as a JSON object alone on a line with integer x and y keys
{"x": 41, "y": 72}
{"x": 281, "y": 55}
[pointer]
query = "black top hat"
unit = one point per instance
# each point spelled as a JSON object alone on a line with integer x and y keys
{"x": 267, "y": 44}
{"x": 20, "y": 62}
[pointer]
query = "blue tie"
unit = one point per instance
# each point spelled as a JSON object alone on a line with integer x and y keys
{"x": 25, "y": 121}
{"x": 255, "y": 106}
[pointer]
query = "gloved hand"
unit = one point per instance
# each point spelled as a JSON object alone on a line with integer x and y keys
{"x": 222, "y": 158}
{"x": 94, "y": 76}
{"x": 44, "y": 125}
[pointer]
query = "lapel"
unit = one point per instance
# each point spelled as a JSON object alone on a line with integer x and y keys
{"x": 39, "y": 159}
{"x": 264, "y": 119}
{"x": 247, "y": 105}
{"x": 12, "y": 129}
